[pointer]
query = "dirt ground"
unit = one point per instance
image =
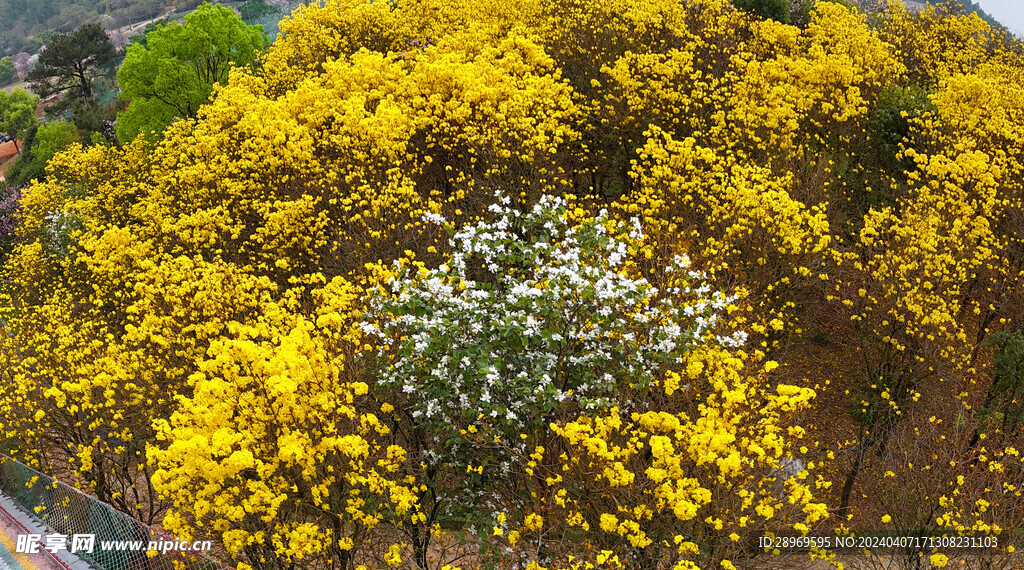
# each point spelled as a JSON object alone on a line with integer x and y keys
{"x": 7, "y": 156}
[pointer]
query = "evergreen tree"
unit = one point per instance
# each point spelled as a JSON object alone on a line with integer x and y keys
{"x": 68, "y": 64}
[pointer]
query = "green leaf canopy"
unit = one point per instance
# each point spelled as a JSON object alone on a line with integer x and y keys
{"x": 173, "y": 74}
{"x": 17, "y": 112}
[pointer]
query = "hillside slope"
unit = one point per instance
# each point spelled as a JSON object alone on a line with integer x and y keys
{"x": 23, "y": 20}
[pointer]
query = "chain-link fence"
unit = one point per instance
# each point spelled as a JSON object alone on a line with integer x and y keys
{"x": 120, "y": 542}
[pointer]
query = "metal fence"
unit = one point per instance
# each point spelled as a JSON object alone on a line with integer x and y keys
{"x": 68, "y": 512}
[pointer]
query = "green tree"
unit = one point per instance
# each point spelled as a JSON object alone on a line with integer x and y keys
{"x": 7, "y": 70}
{"x": 1003, "y": 409}
{"x": 40, "y": 146}
{"x": 68, "y": 64}
{"x": 256, "y": 9}
{"x": 173, "y": 74}
{"x": 41, "y": 39}
{"x": 778, "y": 10}
{"x": 17, "y": 113}
{"x": 152, "y": 26}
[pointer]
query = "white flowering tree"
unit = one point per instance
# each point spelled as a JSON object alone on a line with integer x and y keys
{"x": 531, "y": 320}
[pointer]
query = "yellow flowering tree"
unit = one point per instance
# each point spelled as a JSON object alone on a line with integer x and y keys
{"x": 278, "y": 450}
{"x": 210, "y": 330}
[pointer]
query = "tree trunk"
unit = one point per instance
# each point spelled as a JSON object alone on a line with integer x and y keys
{"x": 844, "y": 498}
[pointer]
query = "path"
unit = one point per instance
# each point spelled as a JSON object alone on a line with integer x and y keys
{"x": 10, "y": 528}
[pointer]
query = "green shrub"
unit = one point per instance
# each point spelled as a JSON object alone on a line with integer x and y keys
{"x": 41, "y": 144}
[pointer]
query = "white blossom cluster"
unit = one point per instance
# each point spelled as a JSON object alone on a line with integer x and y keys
{"x": 530, "y": 314}
{"x": 57, "y": 231}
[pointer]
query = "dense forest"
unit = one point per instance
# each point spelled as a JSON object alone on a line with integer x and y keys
{"x": 530, "y": 284}
{"x": 28, "y": 24}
